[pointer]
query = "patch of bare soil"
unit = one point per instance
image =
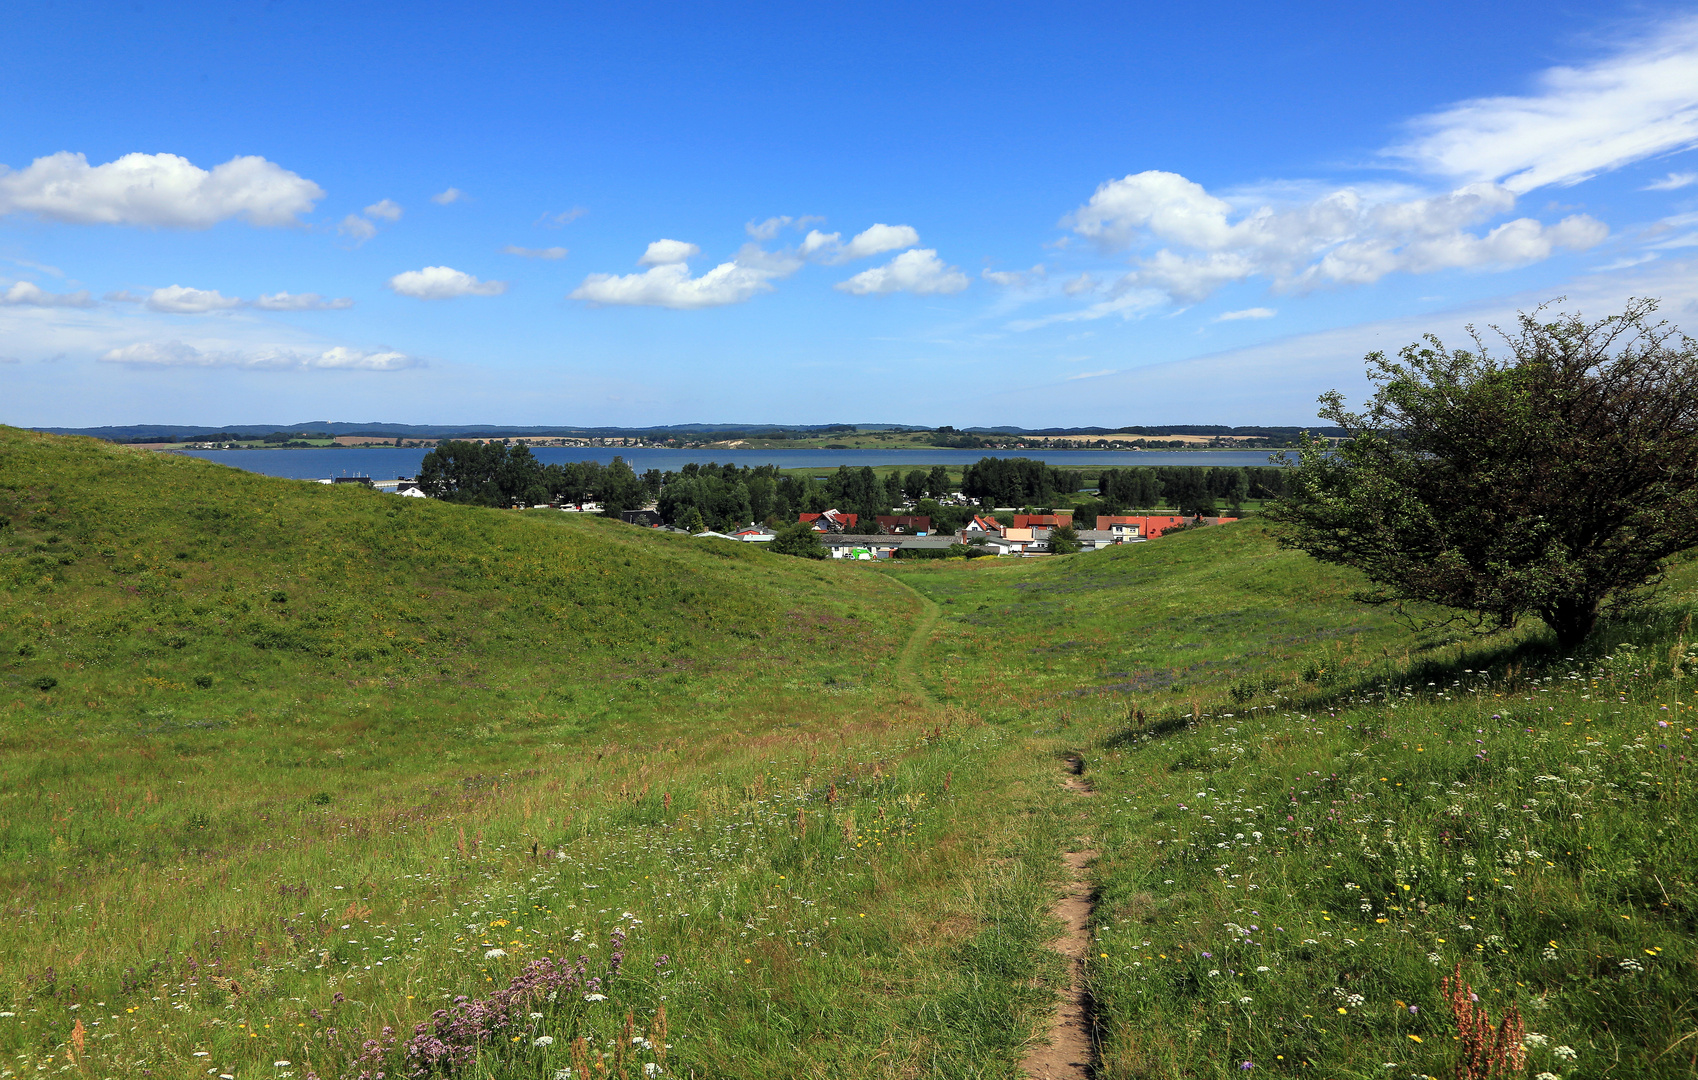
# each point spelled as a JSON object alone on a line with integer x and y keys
{"x": 1068, "y": 1053}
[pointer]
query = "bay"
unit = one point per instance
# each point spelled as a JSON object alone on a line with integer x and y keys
{"x": 387, "y": 463}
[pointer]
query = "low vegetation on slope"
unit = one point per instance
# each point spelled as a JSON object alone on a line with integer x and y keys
{"x": 1311, "y": 823}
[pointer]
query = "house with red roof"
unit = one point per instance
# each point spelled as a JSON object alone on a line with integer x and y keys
{"x": 904, "y": 524}
{"x": 834, "y": 521}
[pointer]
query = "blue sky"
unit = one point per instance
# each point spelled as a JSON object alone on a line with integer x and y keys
{"x": 964, "y": 214}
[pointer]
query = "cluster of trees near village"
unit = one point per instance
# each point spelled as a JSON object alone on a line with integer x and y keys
{"x": 706, "y": 496}
{"x": 714, "y": 496}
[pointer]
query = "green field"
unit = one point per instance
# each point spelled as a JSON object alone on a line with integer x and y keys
{"x": 288, "y": 770}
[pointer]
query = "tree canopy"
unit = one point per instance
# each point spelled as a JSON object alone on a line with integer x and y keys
{"x": 1553, "y": 479}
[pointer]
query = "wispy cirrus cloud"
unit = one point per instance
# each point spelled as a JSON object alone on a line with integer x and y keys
{"x": 535, "y": 253}
{"x": 1674, "y": 181}
{"x": 1637, "y": 102}
{"x": 183, "y": 300}
{"x": 282, "y": 301}
{"x": 165, "y": 354}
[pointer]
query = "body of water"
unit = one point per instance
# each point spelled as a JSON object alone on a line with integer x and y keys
{"x": 387, "y": 463}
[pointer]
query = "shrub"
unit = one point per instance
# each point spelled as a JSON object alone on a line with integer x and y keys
{"x": 45, "y": 682}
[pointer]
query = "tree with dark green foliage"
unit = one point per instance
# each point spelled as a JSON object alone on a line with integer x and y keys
{"x": 914, "y": 485}
{"x": 892, "y": 489}
{"x": 621, "y": 489}
{"x": 483, "y": 474}
{"x": 1015, "y": 482}
{"x": 799, "y": 539}
{"x": 1063, "y": 540}
{"x": 1554, "y": 480}
{"x": 937, "y": 482}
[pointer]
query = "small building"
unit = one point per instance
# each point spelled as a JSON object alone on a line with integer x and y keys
{"x": 860, "y": 546}
{"x": 904, "y": 524}
{"x": 646, "y": 518}
{"x": 1097, "y": 539}
{"x": 1047, "y": 521}
{"x": 833, "y": 521}
{"x": 836, "y": 521}
{"x": 755, "y": 534}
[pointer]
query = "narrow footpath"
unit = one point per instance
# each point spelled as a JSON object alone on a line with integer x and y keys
{"x": 1070, "y": 1051}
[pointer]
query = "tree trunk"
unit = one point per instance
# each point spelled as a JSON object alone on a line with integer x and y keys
{"x": 1573, "y": 621}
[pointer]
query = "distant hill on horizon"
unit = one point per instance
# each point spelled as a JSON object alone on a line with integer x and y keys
{"x": 379, "y": 429}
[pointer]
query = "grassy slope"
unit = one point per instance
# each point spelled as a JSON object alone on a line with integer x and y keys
{"x": 1289, "y": 871}
{"x": 841, "y": 839}
{"x": 434, "y": 731}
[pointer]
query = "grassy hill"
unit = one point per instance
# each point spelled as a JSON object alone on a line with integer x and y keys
{"x": 285, "y": 767}
{"x": 299, "y": 780}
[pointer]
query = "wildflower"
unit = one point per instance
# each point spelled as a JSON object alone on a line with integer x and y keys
{"x": 280, "y": 1064}
{"x": 1566, "y": 1053}
{"x": 1535, "y": 1040}
{"x": 1262, "y": 967}
{"x": 651, "y": 1069}
{"x": 1243, "y": 1001}
{"x": 494, "y": 954}
{"x": 543, "y": 1040}
{"x": 595, "y": 997}
{"x": 1414, "y": 1038}
{"x": 1247, "y": 1065}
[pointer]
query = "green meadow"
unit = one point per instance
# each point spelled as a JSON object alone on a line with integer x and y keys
{"x": 311, "y": 781}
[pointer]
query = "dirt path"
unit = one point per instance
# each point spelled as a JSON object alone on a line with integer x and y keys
{"x": 908, "y": 663}
{"x": 1068, "y": 1053}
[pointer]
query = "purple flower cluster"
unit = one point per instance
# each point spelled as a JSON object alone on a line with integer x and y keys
{"x": 455, "y": 1035}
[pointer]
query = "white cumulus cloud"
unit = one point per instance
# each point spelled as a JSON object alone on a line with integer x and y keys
{"x": 388, "y": 210}
{"x": 874, "y": 240}
{"x": 671, "y": 286}
{"x": 667, "y": 252}
{"x": 179, "y": 354}
{"x": 29, "y": 294}
{"x": 1635, "y": 103}
{"x": 1247, "y": 313}
{"x": 450, "y": 195}
{"x": 878, "y": 239}
{"x": 156, "y": 189}
{"x": 443, "y": 283}
{"x": 918, "y": 271}
{"x": 182, "y": 300}
{"x": 1342, "y": 237}
{"x": 534, "y": 253}
{"x": 282, "y": 301}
